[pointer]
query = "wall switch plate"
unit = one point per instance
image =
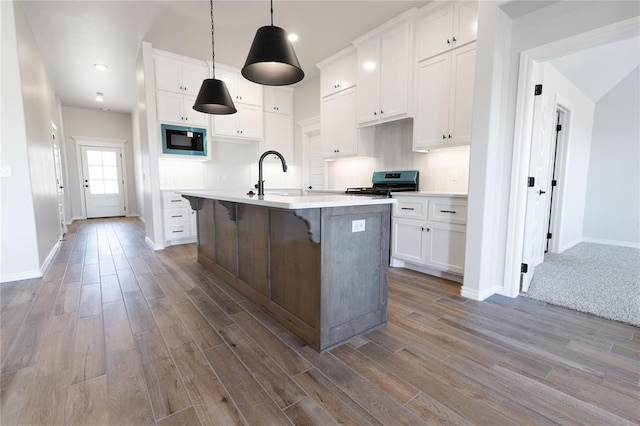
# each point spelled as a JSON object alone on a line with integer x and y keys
{"x": 357, "y": 225}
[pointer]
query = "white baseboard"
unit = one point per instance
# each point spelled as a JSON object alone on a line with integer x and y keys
{"x": 34, "y": 273}
{"x": 474, "y": 294}
{"x": 152, "y": 244}
{"x": 77, "y": 218}
{"x": 133, "y": 215}
{"x": 611, "y": 242}
{"x": 398, "y": 263}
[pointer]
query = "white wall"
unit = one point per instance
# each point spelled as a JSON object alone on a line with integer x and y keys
{"x": 95, "y": 123}
{"x": 441, "y": 170}
{"x": 500, "y": 41}
{"x": 18, "y": 254}
{"x": 612, "y": 212}
{"x": 575, "y": 148}
{"x": 30, "y": 220}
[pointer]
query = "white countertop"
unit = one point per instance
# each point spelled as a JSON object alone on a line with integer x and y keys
{"x": 290, "y": 202}
{"x": 428, "y": 194}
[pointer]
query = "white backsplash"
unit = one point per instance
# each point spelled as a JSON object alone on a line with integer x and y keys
{"x": 442, "y": 170}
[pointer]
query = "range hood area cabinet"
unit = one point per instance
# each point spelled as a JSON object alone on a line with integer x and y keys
{"x": 247, "y": 123}
{"x": 177, "y": 81}
{"x": 385, "y": 71}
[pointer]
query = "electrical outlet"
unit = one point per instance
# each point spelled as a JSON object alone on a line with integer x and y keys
{"x": 6, "y": 172}
{"x": 357, "y": 225}
{"x": 454, "y": 175}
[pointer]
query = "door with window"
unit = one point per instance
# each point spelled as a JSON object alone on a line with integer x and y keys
{"x": 102, "y": 181}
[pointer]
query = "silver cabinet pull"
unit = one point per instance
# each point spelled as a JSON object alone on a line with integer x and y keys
{"x": 448, "y": 211}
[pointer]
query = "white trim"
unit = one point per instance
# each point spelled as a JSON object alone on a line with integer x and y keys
{"x": 529, "y": 60}
{"x": 476, "y": 295}
{"x": 34, "y": 273}
{"x": 103, "y": 143}
{"x": 396, "y": 263}
{"x": 611, "y": 242}
{"x": 310, "y": 125}
{"x": 132, "y": 215}
{"x": 153, "y": 245}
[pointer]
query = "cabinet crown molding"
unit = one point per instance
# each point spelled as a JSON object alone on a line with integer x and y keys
{"x": 408, "y": 15}
{"x": 336, "y": 56}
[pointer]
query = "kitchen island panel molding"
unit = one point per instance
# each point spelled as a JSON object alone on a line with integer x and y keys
{"x": 318, "y": 274}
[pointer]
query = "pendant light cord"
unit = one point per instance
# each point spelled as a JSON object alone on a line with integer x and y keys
{"x": 271, "y": 13}
{"x": 213, "y": 52}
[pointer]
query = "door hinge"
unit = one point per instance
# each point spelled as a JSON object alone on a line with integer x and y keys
{"x": 531, "y": 182}
{"x": 538, "y": 90}
{"x": 524, "y": 268}
{"x": 549, "y": 234}
{"x": 558, "y": 127}
{"x": 554, "y": 182}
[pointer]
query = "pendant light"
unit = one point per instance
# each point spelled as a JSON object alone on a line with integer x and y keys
{"x": 213, "y": 97}
{"x": 271, "y": 60}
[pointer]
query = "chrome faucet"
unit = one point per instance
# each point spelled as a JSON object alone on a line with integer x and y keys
{"x": 262, "y": 157}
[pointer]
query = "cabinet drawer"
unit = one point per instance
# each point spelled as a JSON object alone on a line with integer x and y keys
{"x": 176, "y": 216}
{"x": 411, "y": 207}
{"x": 173, "y": 232}
{"x": 448, "y": 210}
{"x": 172, "y": 200}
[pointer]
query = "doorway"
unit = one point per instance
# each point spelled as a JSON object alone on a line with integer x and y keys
{"x": 102, "y": 181}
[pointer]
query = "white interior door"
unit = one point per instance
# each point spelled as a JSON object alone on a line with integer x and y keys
{"x": 57, "y": 160}
{"x": 535, "y": 227}
{"x": 103, "y": 182}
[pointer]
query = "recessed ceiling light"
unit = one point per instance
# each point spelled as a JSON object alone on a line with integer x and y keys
{"x": 100, "y": 67}
{"x": 293, "y": 37}
{"x": 99, "y": 97}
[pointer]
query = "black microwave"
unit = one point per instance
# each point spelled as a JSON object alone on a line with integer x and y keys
{"x": 184, "y": 140}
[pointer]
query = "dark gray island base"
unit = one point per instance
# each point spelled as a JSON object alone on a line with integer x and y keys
{"x": 307, "y": 267}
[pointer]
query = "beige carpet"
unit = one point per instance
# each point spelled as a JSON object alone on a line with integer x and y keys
{"x": 594, "y": 278}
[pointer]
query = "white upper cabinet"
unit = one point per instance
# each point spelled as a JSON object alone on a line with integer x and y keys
{"x": 385, "y": 63}
{"x": 178, "y": 81}
{"x": 179, "y": 75}
{"x": 278, "y": 100}
{"x": 338, "y": 72}
{"x": 444, "y": 99}
{"x": 240, "y": 89}
{"x": 278, "y": 123}
{"x": 445, "y": 27}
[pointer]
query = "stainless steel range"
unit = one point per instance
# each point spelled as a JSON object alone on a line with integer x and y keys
{"x": 386, "y": 182}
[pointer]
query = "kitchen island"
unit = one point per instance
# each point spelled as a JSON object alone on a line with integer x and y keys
{"x": 318, "y": 264}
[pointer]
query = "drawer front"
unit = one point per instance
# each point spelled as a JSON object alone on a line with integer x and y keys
{"x": 411, "y": 208}
{"x": 449, "y": 210}
{"x": 176, "y": 216}
{"x": 175, "y": 232}
{"x": 172, "y": 200}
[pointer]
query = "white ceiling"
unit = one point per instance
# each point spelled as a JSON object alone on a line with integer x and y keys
{"x": 597, "y": 70}
{"x": 74, "y": 35}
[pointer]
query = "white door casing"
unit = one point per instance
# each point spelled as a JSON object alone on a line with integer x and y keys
{"x": 57, "y": 160}
{"x": 537, "y": 192}
{"x": 103, "y": 181}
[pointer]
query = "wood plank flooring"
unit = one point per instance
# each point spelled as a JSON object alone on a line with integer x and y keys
{"x": 118, "y": 334}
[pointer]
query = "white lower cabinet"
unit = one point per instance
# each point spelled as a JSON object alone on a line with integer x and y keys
{"x": 429, "y": 232}
{"x": 180, "y": 226}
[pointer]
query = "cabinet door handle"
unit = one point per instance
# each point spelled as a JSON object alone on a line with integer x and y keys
{"x": 448, "y": 211}
{"x": 176, "y": 201}
{"x": 407, "y": 208}
{"x": 177, "y": 232}
{"x": 381, "y": 112}
{"x": 177, "y": 215}
{"x": 444, "y": 136}
{"x": 454, "y": 40}
{"x": 422, "y": 227}
{"x": 375, "y": 112}
{"x": 449, "y": 136}
{"x": 448, "y": 42}
{"x": 542, "y": 192}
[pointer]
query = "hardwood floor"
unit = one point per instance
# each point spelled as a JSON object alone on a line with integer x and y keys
{"x": 115, "y": 333}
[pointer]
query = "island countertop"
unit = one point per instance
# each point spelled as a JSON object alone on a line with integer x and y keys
{"x": 288, "y": 202}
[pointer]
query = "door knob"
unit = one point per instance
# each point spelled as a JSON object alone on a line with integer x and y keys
{"x": 542, "y": 192}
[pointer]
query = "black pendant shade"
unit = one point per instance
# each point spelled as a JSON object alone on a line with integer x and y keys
{"x": 214, "y": 98}
{"x": 272, "y": 60}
